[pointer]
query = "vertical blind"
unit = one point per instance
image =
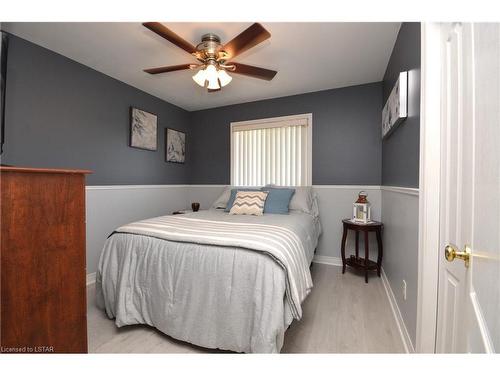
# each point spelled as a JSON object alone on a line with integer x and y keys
{"x": 274, "y": 152}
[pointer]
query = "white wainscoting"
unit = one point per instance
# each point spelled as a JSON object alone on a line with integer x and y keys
{"x": 109, "y": 207}
{"x": 403, "y": 331}
{"x": 400, "y": 238}
{"x": 204, "y": 194}
{"x": 335, "y": 204}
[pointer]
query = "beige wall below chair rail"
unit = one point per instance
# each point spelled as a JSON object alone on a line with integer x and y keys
{"x": 111, "y": 206}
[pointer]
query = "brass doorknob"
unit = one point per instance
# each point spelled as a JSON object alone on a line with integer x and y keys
{"x": 451, "y": 253}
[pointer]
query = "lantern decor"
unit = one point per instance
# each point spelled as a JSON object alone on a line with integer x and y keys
{"x": 361, "y": 209}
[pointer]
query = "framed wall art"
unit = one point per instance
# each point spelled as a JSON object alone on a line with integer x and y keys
{"x": 175, "y": 146}
{"x": 396, "y": 108}
{"x": 143, "y": 129}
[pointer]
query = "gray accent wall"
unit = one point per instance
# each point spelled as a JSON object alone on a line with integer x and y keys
{"x": 400, "y": 151}
{"x": 346, "y": 134}
{"x": 60, "y": 113}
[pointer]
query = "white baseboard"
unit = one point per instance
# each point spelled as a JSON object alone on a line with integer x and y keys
{"x": 405, "y": 336}
{"x": 90, "y": 278}
{"x": 323, "y": 259}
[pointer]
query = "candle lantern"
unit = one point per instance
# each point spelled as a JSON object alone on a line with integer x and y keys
{"x": 361, "y": 211}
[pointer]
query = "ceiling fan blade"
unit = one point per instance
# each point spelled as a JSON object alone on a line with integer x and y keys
{"x": 213, "y": 90}
{"x": 169, "y": 35}
{"x": 249, "y": 38}
{"x": 253, "y": 71}
{"x": 166, "y": 69}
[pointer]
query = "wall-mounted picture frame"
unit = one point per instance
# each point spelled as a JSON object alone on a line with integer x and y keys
{"x": 175, "y": 146}
{"x": 396, "y": 108}
{"x": 143, "y": 129}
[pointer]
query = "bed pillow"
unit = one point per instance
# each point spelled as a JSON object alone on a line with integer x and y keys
{"x": 302, "y": 200}
{"x": 221, "y": 202}
{"x": 232, "y": 196}
{"x": 278, "y": 200}
{"x": 315, "y": 205}
{"x": 249, "y": 203}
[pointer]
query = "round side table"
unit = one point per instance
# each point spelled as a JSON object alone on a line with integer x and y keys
{"x": 354, "y": 260}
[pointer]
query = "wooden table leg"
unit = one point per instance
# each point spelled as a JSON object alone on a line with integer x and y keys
{"x": 357, "y": 244}
{"x": 380, "y": 251}
{"x": 367, "y": 254}
{"x": 344, "y": 237}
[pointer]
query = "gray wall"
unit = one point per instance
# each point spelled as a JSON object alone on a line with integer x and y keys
{"x": 79, "y": 118}
{"x": 346, "y": 134}
{"x": 400, "y": 151}
{"x": 60, "y": 113}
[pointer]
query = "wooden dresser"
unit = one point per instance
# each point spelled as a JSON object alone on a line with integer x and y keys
{"x": 43, "y": 271}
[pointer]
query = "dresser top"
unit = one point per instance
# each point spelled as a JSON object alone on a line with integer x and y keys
{"x": 42, "y": 170}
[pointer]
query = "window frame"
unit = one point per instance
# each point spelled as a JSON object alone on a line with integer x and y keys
{"x": 252, "y": 124}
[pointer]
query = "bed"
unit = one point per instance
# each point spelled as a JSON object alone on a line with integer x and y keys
{"x": 230, "y": 282}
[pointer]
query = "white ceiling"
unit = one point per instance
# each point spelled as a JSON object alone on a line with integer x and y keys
{"x": 308, "y": 56}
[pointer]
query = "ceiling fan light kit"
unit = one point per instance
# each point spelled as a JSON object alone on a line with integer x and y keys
{"x": 213, "y": 56}
{"x": 212, "y": 76}
{"x": 224, "y": 78}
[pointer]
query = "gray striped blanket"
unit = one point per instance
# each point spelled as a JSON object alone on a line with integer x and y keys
{"x": 282, "y": 244}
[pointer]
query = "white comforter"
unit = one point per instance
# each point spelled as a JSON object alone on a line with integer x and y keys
{"x": 212, "y": 279}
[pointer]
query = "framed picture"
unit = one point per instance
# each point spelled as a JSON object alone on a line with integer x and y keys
{"x": 396, "y": 108}
{"x": 175, "y": 146}
{"x": 143, "y": 129}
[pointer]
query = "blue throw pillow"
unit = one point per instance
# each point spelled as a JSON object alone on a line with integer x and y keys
{"x": 278, "y": 200}
{"x": 232, "y": 197}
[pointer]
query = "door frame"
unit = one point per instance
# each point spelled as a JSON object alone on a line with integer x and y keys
{"x": 430, "y": 185}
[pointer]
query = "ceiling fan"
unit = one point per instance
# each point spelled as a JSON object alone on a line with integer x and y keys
{"x": 213, "y": 57}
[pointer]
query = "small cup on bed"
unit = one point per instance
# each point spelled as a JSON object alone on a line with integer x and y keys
{"x": 195, "y": 206}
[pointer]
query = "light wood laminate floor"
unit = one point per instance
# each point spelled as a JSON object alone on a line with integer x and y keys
{"x": 341, "y": 315}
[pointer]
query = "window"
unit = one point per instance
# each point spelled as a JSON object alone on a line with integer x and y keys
{"x": 272, "y": 151}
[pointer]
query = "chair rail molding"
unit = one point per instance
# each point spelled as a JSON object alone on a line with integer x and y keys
{"x": 401, "y": 190}
{"x": 125, "y": 187}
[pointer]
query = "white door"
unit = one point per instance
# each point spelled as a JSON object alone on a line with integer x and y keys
{"x": 469, "y": 292}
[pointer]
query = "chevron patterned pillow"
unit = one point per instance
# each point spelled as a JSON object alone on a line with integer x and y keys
{"x": 249, "y": 203}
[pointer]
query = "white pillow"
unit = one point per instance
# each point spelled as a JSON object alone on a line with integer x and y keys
{"x": 221, "y": 202}
{"x": 302, "y": 200}
{"x": 315, "y": 205}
